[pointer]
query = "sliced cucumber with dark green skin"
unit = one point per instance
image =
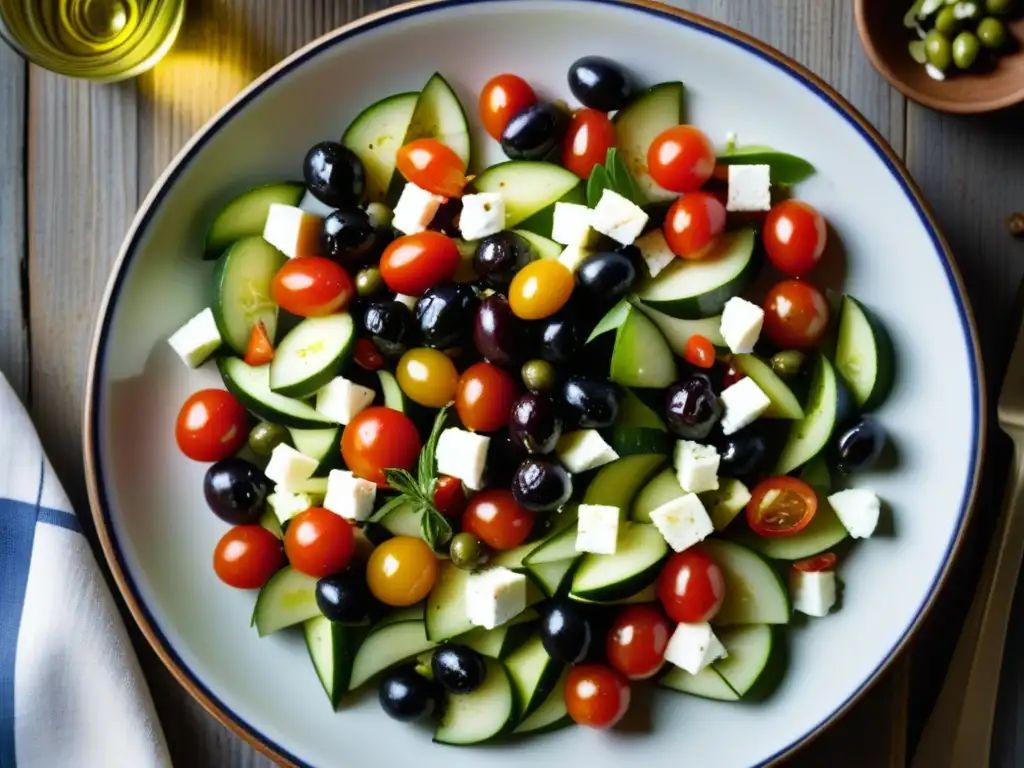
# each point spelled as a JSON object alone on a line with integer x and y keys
{"x": 640, "y": 356}
{"x": 332, "y": 649}
{"x": 648, "y": 594}
{"x": 809, "y": 436}
{"x": 269, "y": 521}
{"x": 501, "y": 641}
{"x": 394, "y": 398}
{"x": 551, "y": 714}
{"x": 754, "y": 650}
{"x": 481, "y": 715}
{"x": 288, "y": 598}
{"x": 324, "y": 445}
{"x": 638, "y": 125}
{"x": 617, "y": 483}
{"x": 533, "y": 673}
{"x": 635, "y": 564}
{"x": 678, "y": 332}
{"x": 242, "y": 291}
{"x": 246, "y": 215}
{"x": 661, "y": 489}
{"x": 707, "y": 684}
{"x": 553, "y": 578}
{"x": 542, "y": 222}
{"x": 404, "y": 521}
{"x": 251, "y": 385}
{"x": 376, "y": 135}
{"x": 864, "y": 355}
{"x": 543, "y": 247}
{"x": 699, "y": 289}
{"x": 561, "y": 546}
{"x": 512, "y": 558}
{"x": 311, "y": 354}
{"x": 784, "y": 403}
{"x": 754, "y": 593}
{"x": 527, "y": 186}
{"x": 387, "y": 646}
{"x": 637, "y": 429}
{"x": 398, "y": 615}
{"x": 786, "y": 169}
{"x": 817, "y": 475}
{"x": 725, "y": 503}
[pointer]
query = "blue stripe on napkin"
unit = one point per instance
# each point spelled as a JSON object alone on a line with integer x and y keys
{"x": 58, "y": 518}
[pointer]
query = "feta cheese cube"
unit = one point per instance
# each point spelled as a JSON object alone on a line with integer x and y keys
{"x": 494, "y": 597}
{"x": 341, "y": 400}
{"x": 696, "y": 466}
{"x": 571, "y": 225}
{"x": 655, "y": 251}
{"x": 744, "y": 402}
{"x": 693, "y": 647}
{"x": 482, "y": 215}
{"x": 415, "y": 210}
{"x": 683, "y": 522}
{"x": 463, "y": 455}
{"x": 573, "y": 256}
{"x": 597, "y": 529}
{"x": 618, "y": 217}
{"x": 812, "y": 593}
{"x": 858, "y": 510}
{"x": 287, "y": 505}
{"x": 310, "y": 203}
{"x": 741, "y": 325}
{"x": 584, "y": 450}
{"x": 750, "y": 188}
{"x": 288, "y": 468}
{"x": 293, "y": 231}
{"x": 197, "y": 339}
{"x": 350, "y": 496}
{"x": 409, "y": 301}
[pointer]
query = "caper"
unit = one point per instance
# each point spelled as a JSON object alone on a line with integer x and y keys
{"x": 992, "y": 33}
{"x": 468, "y": 552}
{"x": 368, "y": 281}
{"x": 379, "y": 214}
{"x": 966, "y": 49}
{"x": 538, "y": 375}
{"x": 939, "y": 50}
{"x": 788, "y": 363}
{"x": 265, "y": 437}
{"x": 946, "y": 21}
{"x": 999, "y": 7}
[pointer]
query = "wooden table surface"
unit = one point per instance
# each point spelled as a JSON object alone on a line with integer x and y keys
{"x": 76, "y": 159}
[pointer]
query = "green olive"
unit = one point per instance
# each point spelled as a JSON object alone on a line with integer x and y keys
{"x": 788, "y": 363}
{"x": 939, "y": 50}
{"x": 265, "y": 437}
{"x": 946, "y": 21}
{"x": 538, "y": 375}
{"x": 966, "y": 48}
{"x": 468, "y": 552}
{"x": 368, "y": 281}
{"x": 992, "y": 33}
{"x": 379, "y": 214}
{"x": 999, "y": 7}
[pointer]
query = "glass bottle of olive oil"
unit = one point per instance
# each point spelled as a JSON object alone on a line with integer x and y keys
{"x": 102, "y": 40}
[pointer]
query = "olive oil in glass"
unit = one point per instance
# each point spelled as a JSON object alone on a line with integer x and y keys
{"x": 102, "y": 40}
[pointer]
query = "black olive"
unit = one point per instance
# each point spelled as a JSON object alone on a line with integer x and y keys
{"x": 859, "y": 447}
{"x": 742, "y": 454}
{"x": 499, "y": 257}
{"x": 541, "y": 485}
{"x": 601, "y": 84}
{"x": 534, "y": 423}
{"x": 458, "y": 669}
{"x": 561, "y": 337}
{"x": 566, "y": 631}
{"x": 446, "y": 219}
{"x": 343, "y": 597}
{"x": 498, "y": 334}
{"x": 391, "y": 326}
{"x": 334, "y": 174}
{"x": 406, "y": 695}
{"x": 348, "y": 237}
{"x": 606, "y": 277}
{"x": 535, "y": 132}
{"x": 592, "y": 403}
{"x": 236, "y": 491}
{"x": 445, "y": 315}
{"x": 692, "y": 408}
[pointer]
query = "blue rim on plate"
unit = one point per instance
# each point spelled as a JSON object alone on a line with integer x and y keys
{"x": 91, "y": 436}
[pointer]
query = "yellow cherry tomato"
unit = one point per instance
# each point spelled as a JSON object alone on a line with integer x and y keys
{"x": 540, "y": 289}
{"x": 401, "y": 571}
{"x": 428, "y": 377}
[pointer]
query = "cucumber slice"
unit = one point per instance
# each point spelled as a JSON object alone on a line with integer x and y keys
{"x": 252, "y": 387}
{"x": 376, "y": 136}
{"x": 332, "y": 649}
{"x": 269, "y": 521}
{"x": 640, "y": 356}
{"x": 786, "y": 169}
{"x": 751, "y": 649}
{"x": 446, "y": 615}
{"x": 246, "y": 215}
{"x": 533, "y": 675}
{"x": 527, "y": 186}
{"x": 662, "y": 488}
{"x": 699, "y": 289}
{"x": 823, "y": 533}
{"x": 708, "y": 684}
{"x": 311, "y": 354}
{"x": 399, "y": 615}
{"x": 288, "y": 598}
{"x": 809, "y": 435}
{"x": 677, "y": 332}
{"x": 242, "y": 291}
{"x": 551, "y": 714}
{"x": 324, "y": 445}
{"x": 513, "y": 558}
{"x": 637, "y": 429}
{"x": 543, "y": 247}
{"x": 501, "y": 641}
{"x": 404, "y": 521}
{"x": 482, "y": 714}
{"x": 618, "y": 482}
{"x": 552, "y": 577}
{"x": 724, "y": 504}
{"x": 648, "y": 594}
{"x": 439, "y": 115}
{"x": 560, "y": 546}
{"x": 394, "y": 398}
{"x": 387, "y": 646}
{"x": 635, "y": 564}
{"x": 638, "y": 125}
{"x": 784, "y": 403}
{"x": 754, "y": 593}
{"x": 864, "y": 356}
{"x": 817, "y": 475}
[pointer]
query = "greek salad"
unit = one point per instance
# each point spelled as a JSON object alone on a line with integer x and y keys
{"x": 506, "y": 441}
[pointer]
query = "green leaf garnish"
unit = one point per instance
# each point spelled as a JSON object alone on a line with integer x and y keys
{"x": 786, "y": 169}
{"x": 613, "y": 175}
{"x": 596, "y": 185}
{"x": 434, "y": 527}
{"x": 428, "y": 455}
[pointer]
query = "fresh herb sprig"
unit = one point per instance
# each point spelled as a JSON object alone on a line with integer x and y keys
{"x": 613, "y": 175}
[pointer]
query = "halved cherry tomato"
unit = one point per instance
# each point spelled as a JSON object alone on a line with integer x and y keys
{"x": 312, "y": 286}
{"x": 502, "y": 98}
{"x": 794, "y": 237}
{"x": 449, "y": 497}
{"x": 247, "y": 556}
{"x": 637, "y": 640}
{"x": 681, "y": 159}
{"x": 795, "y": 315}
{"x": 318, "y": 542}
{"x": 427, "y": 376}
{"x": 497, "y": 520}
{"x": 211, "y": 425}
{"x": 700, "y": 351}
{"x": 432, "y": 166}
{"x": 823, "y": 562}
{"x": 484, "y": 397}
{"x": 401, "y": 571}
{"x": 413, "y": 263}
{"x": 691, "y": 586}
{"x": 732, "y": 375}
{"x": 380, "y": 438}
{"x": 693, "y": 223}
{"x": 260, "y": 351}
{"x": 781, "y": 506}
{"x": 540, "y": 289}
{"x": 589, "y": 137}
{"x": 596, "y": 695}
{"x": 367, "y": 355}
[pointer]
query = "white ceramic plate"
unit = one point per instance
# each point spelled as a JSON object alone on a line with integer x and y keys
{"x": 148, "y": 500}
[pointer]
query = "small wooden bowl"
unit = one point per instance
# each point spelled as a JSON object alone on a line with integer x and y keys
{"x": 880, "y": 24}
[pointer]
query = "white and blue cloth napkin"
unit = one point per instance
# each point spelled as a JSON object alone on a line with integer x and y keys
{"x": 71, "y": 691}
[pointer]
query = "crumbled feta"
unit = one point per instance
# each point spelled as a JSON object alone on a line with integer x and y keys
{"x": 655, "y": 251}
{"x": 292, "y": 231}
{"x": 750, "y": 188}
{"x": 415, "y": 210}
{"x": 288, "y": 468}
{"x": 573, "y": 256}
{"x": 741, "y": 325}
{"x": 463, "y": 455}
{"x": 744, "y": 402}
{"x": 310, "y": 203}
{"x": 812, "y": 593}
{"x": 597, "y": 529}
{"x": 571, "y": 225}
{"x": 494, "y": 597}
{"x": 341, "y": 400}
{"x": 618, "y": 218}
{"x": 858, "y": 510}
{"x": 693, "y": 647}
{"x": 683, "y": 522}
{"x": 696, "y": 466}
{"x": 583, "y": 450}
{"x": 197, "y": 339}
{"x": 350, "y": 496}
{"x": 287, "y": 505}
{"x": 482, "y": 215}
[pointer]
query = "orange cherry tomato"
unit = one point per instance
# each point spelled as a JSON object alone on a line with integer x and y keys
{"x": 497, "y": 520}
{"x": 502, "y": 98}
{"x": 794, "y": 237}
{"x": 427, "y": 376}
{"x": 401, "y": 571}
{"x": 823, "y": 562}
{"x": 796, "y": 315}
{"x": 380, "y": 438}
{"x": 247, "y": 556}
{"x": 449, "y": 497}
{"x": 691, "y": 586}
{"x": 318, "y": 542}
{"x": 681, "y": 159}
{"x": 367, "y": 355}
{"x": 260, "y": 351}
{"x": 413, "y": 263}
{"x": 484, "y": 397}
{"x": 432, "y": 166}
{"x": 211, "y": 425}
{"x": 311, "y": 286}
{"x": 781, "y": 506}
{"x": 540, "y": 289}
{"x": 637, "y": 641}
{"x": 596, "y": 695}
{"x": 693, "y": 223}
{"x": 589, "y": 137}
{"x": 700, "y": 351}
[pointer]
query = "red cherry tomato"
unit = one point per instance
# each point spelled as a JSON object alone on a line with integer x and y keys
{"x": 497, "y": 520}
{"x": 449, "y": 498}
{"x": 247, "y": 556}
{"x": 484, "y": 397}
{"x": 596, "y": 695}
{"x": 432, "y": 166}
{"x": 319, "y": 542}
{"x": 781, "y": 506}
{"x": 413, "y": 263}
{"x": 260, "y": 350}
{"x": 589, "y": 137}
{"x": 823, "y": 562}
{"x": 794, "y": 237}
{"x": 795, "y": 315}
{"x": 700, "y": 351}
{"x": 380, "y": 438}
{"x": 691, "y": 586}
{"x": 637, "y": 640}
{"x": 367, "y": 355}
{"x": 504, "y": 97}
{"x": 732, "y": 375}
{"x": 312, "y": 286}
{"x": 211, "y": 425}
{"x": 693, "y": 223}
{"x": 681, "y": 159}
